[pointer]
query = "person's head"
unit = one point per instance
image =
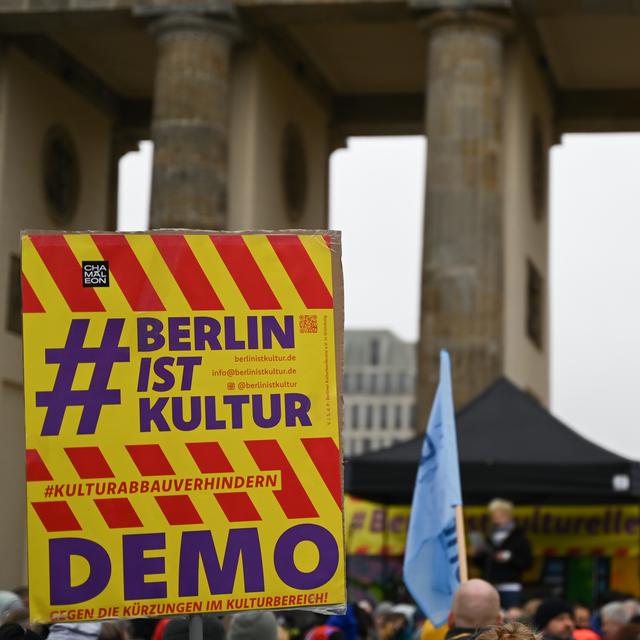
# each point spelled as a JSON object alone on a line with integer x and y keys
{"x": 475, "y": 605}
{"x": 513, "y": 614}
{"x": 582, "y": 616}
{"x": 509, "y": 631}
{"x": 389, "y": 624}
{"x": 178, "y": 628}
{"x": 614, "y": 616}
{"x": 253, "y": 625}
{"x": 9, "y": 601}
{"x": 555, "y": 619}
{"x": 500, "y": 512}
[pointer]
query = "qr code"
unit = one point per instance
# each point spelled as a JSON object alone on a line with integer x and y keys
{"x": 308, "y": 324}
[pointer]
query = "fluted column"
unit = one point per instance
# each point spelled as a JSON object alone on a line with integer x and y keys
{"x": 462, "y": 279}
{"x": 190, "y": 121}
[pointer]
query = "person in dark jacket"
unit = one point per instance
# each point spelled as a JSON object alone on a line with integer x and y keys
{"x": 505, "y": 555}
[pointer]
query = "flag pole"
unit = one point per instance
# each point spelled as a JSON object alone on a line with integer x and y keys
{"x": 462, "y": 544}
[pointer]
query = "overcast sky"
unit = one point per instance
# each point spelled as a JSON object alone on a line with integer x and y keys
{"x": 377, "y": 190}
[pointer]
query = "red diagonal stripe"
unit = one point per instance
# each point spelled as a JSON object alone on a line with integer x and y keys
{"x": 56, "y": 516}
{"x": 30, "y": 301}
{"x": 125, "y": 267}
{"x": 178, "y": 509}
{"x": 292, "y": 497}
{"x": 245, "y": 272}
{"x": 89, "y": 462}
{"x": 36, "y": 468}
{"x": 326, "y": 458}
{"x": 238, "y": 507}
{"x": 66, "y": 272}
{"x": 150, "y": 460}
{"x": 188, "y": 273}
{"x": 302, "y": 271}
{"x": 209, "y": 457}
{"x": 118, "y": 513}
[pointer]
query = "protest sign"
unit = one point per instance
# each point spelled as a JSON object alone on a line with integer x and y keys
{"x": 182, "y": 422}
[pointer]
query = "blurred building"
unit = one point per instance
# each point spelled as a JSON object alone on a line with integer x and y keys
{"x": 378, "y": 390}
{"x": 245, "y": 101}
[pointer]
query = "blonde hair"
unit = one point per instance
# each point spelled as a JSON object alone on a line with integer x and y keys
{"x": 511, "y": 631}
{"x": 498, "y": 504}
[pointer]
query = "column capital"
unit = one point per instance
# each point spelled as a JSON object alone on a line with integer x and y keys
{"x": 497, "y": 21}
{"x": 213, "y": 16}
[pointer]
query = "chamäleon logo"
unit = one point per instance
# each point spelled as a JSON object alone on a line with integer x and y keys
{"x": 95, "y": 273}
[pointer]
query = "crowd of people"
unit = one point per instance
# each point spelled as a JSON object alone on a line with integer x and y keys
{"x": 476, "y": 614}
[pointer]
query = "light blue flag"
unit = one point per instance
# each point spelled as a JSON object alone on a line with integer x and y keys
{"x": 431, "y": 564}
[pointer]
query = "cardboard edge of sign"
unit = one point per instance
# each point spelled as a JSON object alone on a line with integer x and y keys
{"x": 334, "y": 234}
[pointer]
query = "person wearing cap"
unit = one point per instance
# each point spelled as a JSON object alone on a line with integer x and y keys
{"x": 505, "y": 555}
{"x": 253, "y": 625}
{"x": 554, "y": 618}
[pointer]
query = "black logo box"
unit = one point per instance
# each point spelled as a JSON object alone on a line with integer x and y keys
{"x": 95, "y": 273}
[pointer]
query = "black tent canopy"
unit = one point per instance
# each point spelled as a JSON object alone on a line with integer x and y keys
{"x": 509, "y": 446}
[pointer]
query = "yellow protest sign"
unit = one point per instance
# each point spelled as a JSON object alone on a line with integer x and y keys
{"x": 182, "y": 422}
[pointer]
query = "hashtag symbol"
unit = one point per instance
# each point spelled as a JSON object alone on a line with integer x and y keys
{"x": 98, "y": 394}
{"x": 48, "y": 492}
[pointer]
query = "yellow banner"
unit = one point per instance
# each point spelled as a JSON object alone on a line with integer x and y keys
{"x": 607, "y": 530}
{"x": 182, "y": 422}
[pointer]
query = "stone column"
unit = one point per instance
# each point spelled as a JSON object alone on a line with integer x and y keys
{"x": 462, "y": 280}
{"x": 189, "y": 127}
